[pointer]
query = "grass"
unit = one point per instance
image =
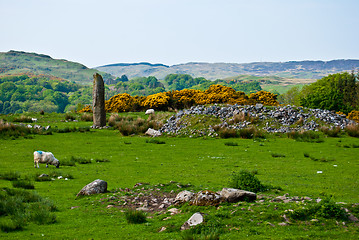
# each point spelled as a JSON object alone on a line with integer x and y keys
{"x": 135, "y": 217}
{"x": 204, "y": 163}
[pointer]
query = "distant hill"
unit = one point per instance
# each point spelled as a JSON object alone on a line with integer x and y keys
{"x": 212, "y": 71}
{"x": 15, "y": 62}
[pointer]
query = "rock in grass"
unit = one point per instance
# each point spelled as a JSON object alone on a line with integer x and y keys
{"x": 206, "y": 198}
{"x": 153, "y": 133}
{"x": 184, "y": 196}
{"x": 97, "y": 186}
{"x": 233, "y": 195}
{"x": 150, "y": 111}
{"x": 196, "y": 219}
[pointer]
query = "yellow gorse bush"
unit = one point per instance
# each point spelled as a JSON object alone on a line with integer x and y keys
{"x": 158, "y": 101}
{"x": 86, "y": 109}
{"x": 266, "y": 98}
{"x": 353, "y": 115}
{"x": 119, "y": 103}
{"x": 186, "y": 98}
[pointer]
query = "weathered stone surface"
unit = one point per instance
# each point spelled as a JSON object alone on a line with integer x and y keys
{"x": 174, "y": 211}
{"x": 194, "y": 220}
{"x": 150, "y": 111}
{"x": 206, "y": 198}
{"x": 153, "y": 133}
{"x": 233, "y": 195}
{"x": 98, "y": 98}
{"x": 184, "y": 196}
{"x": 97, "y": 186}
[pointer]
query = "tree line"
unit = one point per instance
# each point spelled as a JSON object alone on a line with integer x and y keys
{"x": 34, "y": 93}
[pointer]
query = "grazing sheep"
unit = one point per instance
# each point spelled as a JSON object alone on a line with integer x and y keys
{"x": 45, "y": 157}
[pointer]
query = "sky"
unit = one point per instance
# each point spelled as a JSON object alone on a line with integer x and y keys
{"x": 100, "y": 32}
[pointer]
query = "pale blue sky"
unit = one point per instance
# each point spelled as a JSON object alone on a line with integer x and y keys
{"x": 99, "y": 32}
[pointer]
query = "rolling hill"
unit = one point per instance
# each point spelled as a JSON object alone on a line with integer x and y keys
{"x": 16, "y": 62}
{"x": 212, "y": 71}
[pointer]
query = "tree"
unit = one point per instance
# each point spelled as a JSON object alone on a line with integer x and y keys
{"x": 291, "y": 97}
{"x": 337, "y": 92}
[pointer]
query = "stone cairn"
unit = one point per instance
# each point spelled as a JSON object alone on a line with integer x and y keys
{"x": 98, "y": 95}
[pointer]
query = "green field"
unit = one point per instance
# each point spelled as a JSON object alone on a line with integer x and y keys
{"x": 205, "y": 163}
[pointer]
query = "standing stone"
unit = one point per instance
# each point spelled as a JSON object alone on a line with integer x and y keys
{"x": 98, "y": 97}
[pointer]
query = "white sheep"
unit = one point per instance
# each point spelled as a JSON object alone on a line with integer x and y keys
{"x": 45, "y": 157}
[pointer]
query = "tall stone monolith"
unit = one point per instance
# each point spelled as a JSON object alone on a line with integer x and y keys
{"x": 98, "y": 104}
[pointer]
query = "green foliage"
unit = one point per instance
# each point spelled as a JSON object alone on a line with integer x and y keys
{"x": 337, "y": 92}
{"x": 25, "y": 184}
{"x": 141, "y": 86}
{"x": 305, "y": 136}
{"x": 245, "y": 133}
{"x": 291, "y": 97}
{"x": 231, "y": 144}
{"x": 245, "y": 180}
{"x": 11, "y": 175}
{"x": 23, "y": 119}
{"x": 182, "y": 81}
{"x": 277, "y": 155}
{"x": 326, "y": 208}
{"x": 155, "y": 141}
{"x": 80, "y": 160}
{"x": 135, "y": 217}
{"x": 19, "y": 207}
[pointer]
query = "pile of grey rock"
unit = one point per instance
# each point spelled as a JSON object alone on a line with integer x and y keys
{"x": 281, "y": 119}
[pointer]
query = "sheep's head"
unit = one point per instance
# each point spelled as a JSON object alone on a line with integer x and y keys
{"x": 56, "y": 163}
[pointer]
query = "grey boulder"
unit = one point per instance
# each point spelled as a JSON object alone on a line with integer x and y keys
{"x": 233, "y": 195}
{"x": 95, "y": 187}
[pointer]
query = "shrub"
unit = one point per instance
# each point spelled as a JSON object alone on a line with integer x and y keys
{"x": 114, "y": 118}
{"x": 68, "y": 162}
{"x": 231, "y": 144}
{"x": 11, "y": 176}
{"x": 86, "y": 109}
{"x": 40, "y": 213}
{"x": 15, "y": 223}
{"x": 227, "y": 133}
{"x": 9, "y": 130}
{"x": 80, "y": 160}
{"x": 135, "y": 217}
{"x": 277, "y": 155}
{"x": 69, "y": 117}
{"x": 331, "y": 132}
{"x": 55, "y": 174}
{"x": 326, "y": 208}
{"x": 245, "y": 180}
{"x": 23, "y": 118}
{"x": 352, "y": 130}
{"x": 247, "y": 133}
{"x": 353, "y": 115}
{"x": 101, "y": 160}
{"x": 37, "y": 177}
{"x": 305, "y": 136}
{"x": 156, "y": 141}
{"x": 87, "y": 117}
{"x": 23, "y": 184}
